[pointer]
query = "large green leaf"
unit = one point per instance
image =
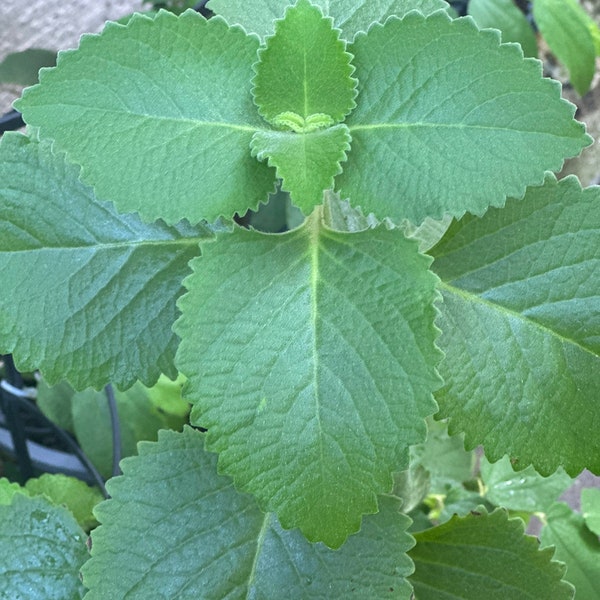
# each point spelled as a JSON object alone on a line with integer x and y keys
{"x": 310, "y": 360}
{"x": 258, "y": 16}
{"x": 509, "y": 19}
{"x": 159, "y": 113}
{"x": 92, "y": 292}
{"x": 451, "y": 120}
{"x": 193, "y": 535}
{"x": 42, "y": 549}
{"x": 304, "y": 69}
{"x": 566, "y": 28}
{"x": 484, "y": 556}
{"x": 521, "y": 328}
{"x": 306, "y": 162}
{"x": 576, "y": 546}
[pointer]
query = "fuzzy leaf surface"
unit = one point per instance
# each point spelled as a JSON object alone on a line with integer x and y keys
{"x": 576, "y": 546}
{"x": 258, "y": 16}
{"x": 306, "y": 162}
{"x": 521, "y": 328}
{"x": 330, "y": 394}
{"x": 159, "y": 113}
{"x": 42, "y": 549}
{"x": 92, "y": 291}
{"x": 484, "y": 556}
{"x": 452, "y": 120}
{"x": 506, "y": 16}
{"x": 176, "y": 545}
{"x": 565, "y": 27}
{"x": 304, "y": 68}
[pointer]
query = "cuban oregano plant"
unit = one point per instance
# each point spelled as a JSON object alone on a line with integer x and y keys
{"x": 313, "y": 356}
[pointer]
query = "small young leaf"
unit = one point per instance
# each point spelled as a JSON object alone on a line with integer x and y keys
{"x": 509, "y": 19}
{"x": 42, "y": 549}
{"x": 258, "y": 16}
{"x": 306, "y": 162}
{"x": 159, "y": 113}
{"x": 197, "y": 537}
{"x": 92, "y": 292}
{"x": 576, "y": 546}
{"x": 565, "y": 27}
{"x": 450, "y": 119}
{"x": 484, "y": 556}
{"x": 521, "y": 328}
{"x": 8, "y": 490}
{"x": 330, "y": 394}
{"x": 590, "y": 507}
{"x": 525, "y": 490}
{"x": 304, "y": 68}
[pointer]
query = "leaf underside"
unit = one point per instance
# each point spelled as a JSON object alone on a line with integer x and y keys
{"x": 233, "y": 552}
{"x": 484, "y": 556}
{"x": 450, "y": 119}
{"x": 292, "y": 308}
{"x": 93, "y": 292}
{"x": 159, "y": 113}
{"x": 521, "y": 328}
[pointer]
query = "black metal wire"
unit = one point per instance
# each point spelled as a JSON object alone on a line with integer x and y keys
{"x": 10, "y": 121}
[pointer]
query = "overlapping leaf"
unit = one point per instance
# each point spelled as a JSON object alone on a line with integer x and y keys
{"x": 159, "y": 113}
{"x": 484, "y": 556}
{"x": 92, "y": 293}
{"x": 175, "y": 544}
{"x": 310, "y": 360}
{"x": 521, "y": 328}
{"x": 451, "y": 120}
{"x": 42, "y": 549}
{"x": 258, "y": 16}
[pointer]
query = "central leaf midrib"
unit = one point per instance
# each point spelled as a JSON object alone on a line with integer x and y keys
{"x": 477, "y": 299}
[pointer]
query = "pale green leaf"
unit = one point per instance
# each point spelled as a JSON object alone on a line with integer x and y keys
{"x": 509, "y": 19}
{"x": 306, "y": 162}
{"x": 69, "y": 492}
{"x": 22, "y": 67}
{"x": 330, "y": 394}
{"x": 590, "y": 508}
{"x": 565, "y": 27}
{"x": 525, "y": 490}
{"x": 521, "y": 328}
{"x": 194, "y": 536}
{"x": 55, "y": 403}
{"x": 92, "y": 292}
{"x": 159, "y": 113}
{"x": 451, "y": 120}
{"x": 576, "y": 546}
{"x": 304, "y": 69}
{"x": 8, "y": 490}
{"x": 484, "y": 556}
{"x": 42, "y": 549}
{"x": 258, "y": 16}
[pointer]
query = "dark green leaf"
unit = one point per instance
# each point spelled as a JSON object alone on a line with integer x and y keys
{"x": 22, "y": 67}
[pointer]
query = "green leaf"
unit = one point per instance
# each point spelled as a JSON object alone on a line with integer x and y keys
{"x": 8, "y": 490}
{"x": 525, "y": 491}
{"x": 590, "y": 507}
{"x": 330, "y": 395}
{"x": 175, "y": 543}
{"x": 306, "y": 162}
{"x": 42, "y": 549}
{"x": 72, "y": 493}
{"x": 576, "y": 546}
{"x": 139, "y": 418}
{"x": 484, "y": 556}
{"x": 55, "y": 403}
{"x": 304, "y": 69}
{"x": 92, "y": 291}
{"x": 452, "y": 120}
{"x": 521, "y": 328}
{"x": 22, "y": 67}
{"x": 159, "y": 113}
{"x": 509, "y": 19}
{"x": 565, "y": 27}
{"x": 258, "y": 16}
